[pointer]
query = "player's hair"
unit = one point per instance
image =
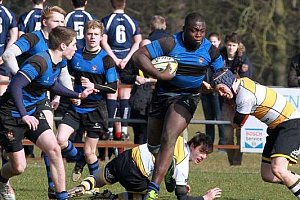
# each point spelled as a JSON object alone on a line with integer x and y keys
{"x": 203, "y": 140}
{"x": 233, "y": 37}
{"x": 118, "y": 4}
{"x": 92, "y": 24}
{"x": 193, "y": 17}
{"x": 49, "y": 10}
{"x": 59, "y": 35}
{"x": 36, "y": 2}
{"x": 215, "y": 34}
{"x": 79, "y": 3}
{"x": 158, "y": 22}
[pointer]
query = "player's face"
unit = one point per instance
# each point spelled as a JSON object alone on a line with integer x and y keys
{"x": 194, "y": 34}
{"x": 56, "y": 19}
{"x": 231, "y": 48}
{"x": 93, "y": 38}
{"x": 197, "y": 154}
{"x": 224, "y": 91}
{"x": 215, "y": 41}
{"x": 70, "y": 50}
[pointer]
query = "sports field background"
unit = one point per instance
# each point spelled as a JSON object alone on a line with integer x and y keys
{"x": 237, "y": 182}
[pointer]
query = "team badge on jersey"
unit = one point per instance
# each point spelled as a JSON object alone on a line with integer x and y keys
{"x": 201, "y": 60}
{"x": 94, "y": 68}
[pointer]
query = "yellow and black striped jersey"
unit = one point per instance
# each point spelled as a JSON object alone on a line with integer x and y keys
{"x": 264, "y": 103}
{"x": 145, "y": 160}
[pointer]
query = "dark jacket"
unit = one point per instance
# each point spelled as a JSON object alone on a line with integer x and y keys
{"x": 294, "y": 72}
{"x": 235, "y": 65}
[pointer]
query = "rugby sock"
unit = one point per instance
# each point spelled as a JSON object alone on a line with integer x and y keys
{"x": 153, "y": 186}
{"x": 47, "y": 164}
{"x": 124, "y": 111}
{"x": 295, "y": 189}
{"x": 62, "y": 195}
{"x": 70, "y": 151}
{"x": 93, "y": 168}
{"x": 2, "y": 179}
{"x": 112, "y": 105}
{"x": 88, "y": 183}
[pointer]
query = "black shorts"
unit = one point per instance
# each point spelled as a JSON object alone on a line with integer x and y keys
{"x": 44, "y": 104}
{"x": 95, "y": 123}
{"x": 160, "y": 103}
{"x": 122, "y": 169}
{"x": 13, "y": 131}
{"x": 283, "y": 141}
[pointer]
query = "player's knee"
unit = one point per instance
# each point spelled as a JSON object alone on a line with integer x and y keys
{"x": 18, "y": 168}
{"x": 266, "y": 177}
{"x": 89, "y": 153}
{"x": 53, "y": 151}
{"x": 153, "y": 148}
{"x": 62, "y": 142}
{"x": 279, "y": 171}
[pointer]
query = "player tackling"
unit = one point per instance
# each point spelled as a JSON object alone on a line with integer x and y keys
{"x": 283, "y": 140}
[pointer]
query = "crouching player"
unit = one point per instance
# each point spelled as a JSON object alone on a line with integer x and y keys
{"x": 133, "y": 168}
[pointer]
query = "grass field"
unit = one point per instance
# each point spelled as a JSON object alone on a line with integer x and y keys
{"x": 238, "y": 183}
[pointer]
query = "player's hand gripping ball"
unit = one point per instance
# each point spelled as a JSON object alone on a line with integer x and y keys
{"x": 160, "y": 63}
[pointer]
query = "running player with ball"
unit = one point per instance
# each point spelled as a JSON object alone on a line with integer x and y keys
{"x": 177, "y": 94}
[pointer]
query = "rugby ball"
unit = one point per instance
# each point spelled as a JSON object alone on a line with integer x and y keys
{"x": 160, "y": 63}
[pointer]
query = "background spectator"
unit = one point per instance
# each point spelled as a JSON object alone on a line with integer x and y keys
{"x": 121, "y": 39}
{"x": 77, "y": 19}
{"x": 31, "y": 20}
{"x": 294, "y": 72}
{"x": 236, "y": 60}
{"x": 211, "y": 101}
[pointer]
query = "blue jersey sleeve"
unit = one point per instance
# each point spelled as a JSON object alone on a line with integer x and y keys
{"x": 30, "y": 71}
{"x": 154, "y": 49}
{"x": 218, "y": 63}
{"x": 111, "y": 75}
{"x": 26, "y": 42}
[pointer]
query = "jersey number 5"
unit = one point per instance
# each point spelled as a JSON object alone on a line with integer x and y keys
{"x": 78, "y": 27}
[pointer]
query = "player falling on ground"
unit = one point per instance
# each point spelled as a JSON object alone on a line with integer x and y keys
{"x": 133, "y": 167}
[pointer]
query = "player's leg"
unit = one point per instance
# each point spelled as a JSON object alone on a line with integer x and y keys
{"x": 208, "y": 110}
{"x": 47, "y": 143}
{"x": 90, "y": 147}
{"x": 124, "y": 95}
{"x": 176, "y": 120}
{"x": 112, "y": 106}
{"x": 70, "y": 123}
{"x": 280, "y": 170}
{"x": 15, "y": 166}
{"x": 281, "y": 145}
{"x": 12, "y": 143}
{"x": 228, "y": 130}
{"x": 49, "y": 117}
